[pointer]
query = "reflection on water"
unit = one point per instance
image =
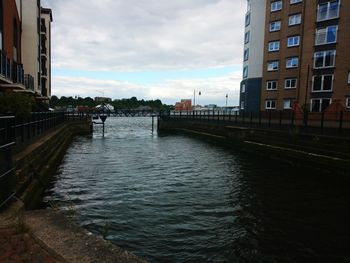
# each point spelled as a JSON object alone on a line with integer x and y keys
{"x": 179, "y": 199}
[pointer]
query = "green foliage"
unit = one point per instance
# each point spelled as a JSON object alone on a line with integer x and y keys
{"x": 131, "y": 103}
{"x": 16, "y": 103}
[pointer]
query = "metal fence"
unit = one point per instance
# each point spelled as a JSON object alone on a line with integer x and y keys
{"x": 313, "y": 122}
{"x": 19, "y": 131}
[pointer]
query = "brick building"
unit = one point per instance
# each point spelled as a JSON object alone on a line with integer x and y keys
{"x": 306, "y": 60}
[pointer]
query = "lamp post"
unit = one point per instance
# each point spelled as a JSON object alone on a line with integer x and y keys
{"x": 194, "y": 97}
{"x": 226, "y": 102}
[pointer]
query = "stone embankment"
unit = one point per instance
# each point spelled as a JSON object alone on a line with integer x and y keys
{"x": 331, "y": 153}
{"x": 46, "y": 235}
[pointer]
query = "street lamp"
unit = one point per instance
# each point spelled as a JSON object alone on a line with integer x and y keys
{"x": 194, "y": 97}
{"x": 226, "y": 102}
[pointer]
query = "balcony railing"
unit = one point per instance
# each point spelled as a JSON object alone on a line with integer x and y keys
{"x": 44, "y": 71}
{"x": 43, "y": 50}
{"x": 18, "y": 73}
{"x": 5, "y": 66}
{"x": 29, "y": 82}
{"x": 43, "y": 29}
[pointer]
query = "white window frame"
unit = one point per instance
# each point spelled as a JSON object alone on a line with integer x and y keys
{"x": 290, "y": 106}
{"x": 270, "y": 104}
{"x": 243, "y": 88}
{"x": 293, "y": 39}
{"x": 270, "y": 65}
{"x": 245, "y": 72}
{"x": 271, "y": 85}
{"x": 347, "y": 103}
{"x": 324, "y": 53}
{"x": 322, "y": 84}
{"x": 290, "y": 64}
{"x": 328, "y": 12}
{"x": 320, "y": 33}
{"x": 294, "y": 19}
{"x": 292, "y": 2}
{"x": 274, "y": 46}
{"x": 276, "y": 6}
{"x": 321, "y": 100}
{"x": 289, "y": 80}
{"x": 275, "y": 28}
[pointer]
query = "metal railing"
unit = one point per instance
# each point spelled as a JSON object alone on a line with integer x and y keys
{"x": 29, "y": 82}
{"x": 312, "y": 122}
{"x": 5, "y": 66}
{"x": 18, "y": 73}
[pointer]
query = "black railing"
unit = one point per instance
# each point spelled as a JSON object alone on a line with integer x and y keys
{"x": 5, "y": 66}
{"x": 43, "y": 28}
{"x": 18, "y": 73}
{"x": 313, "y": 122}
{"x": 29, "y": 82}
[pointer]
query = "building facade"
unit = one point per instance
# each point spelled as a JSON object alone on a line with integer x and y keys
{"x": 253, "y": 56}
{"x": 305, "y": 62}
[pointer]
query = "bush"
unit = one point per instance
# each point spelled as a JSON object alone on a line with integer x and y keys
{"x": 16, "y": 103}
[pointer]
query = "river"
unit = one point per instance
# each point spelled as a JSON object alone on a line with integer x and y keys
{"x": 173, "y": 198}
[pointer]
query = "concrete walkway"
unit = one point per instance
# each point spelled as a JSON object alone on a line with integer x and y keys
{"x": 69, "y": 243}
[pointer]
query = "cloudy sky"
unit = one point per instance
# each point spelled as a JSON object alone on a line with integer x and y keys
{"x": 148, "y": 48}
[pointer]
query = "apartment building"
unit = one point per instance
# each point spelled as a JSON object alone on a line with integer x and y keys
{"x": 306, "y": 61}
{"x": 250, "y": 89}
{"x": 25, "y": 37}
{"x": 11, "y": 68}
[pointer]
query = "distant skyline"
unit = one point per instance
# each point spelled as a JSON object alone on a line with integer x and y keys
{"x": 148, "y": 49}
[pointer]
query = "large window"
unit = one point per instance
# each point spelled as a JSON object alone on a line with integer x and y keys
{"x": 319, "y": 105}
{"x": 294, "y": 19}
{"x": 349, "y": 78}
{"x": 326, "y": 35}
{"x": 270, "y": 104}
{"x": 293, "y": 41}
{"x": 275, "y": 6}
{"x": 290, "y": 83}
{"x": 347, "y": 103}
{"x": 245, "y": 72}
{"x": 242, "y": 105}
{"x": 295, "y": 1}
{"x": 274, "y": 46}
{"x": 328, "y": 10}
{"x": 275, "y": 26}
{"x": 272, "y": 65}
{"x": 322, "y": 83}
{"x": 271, "y": 85}
{"x": 292, "y": 62}
{"x": 243, "y": 88}
{"x": 246, "y": 54}
{"x": 324, "y": 59}
{"x": 247, "y": 19}
{"x": 246, "y": 37}
{"x": 287, "y": 104}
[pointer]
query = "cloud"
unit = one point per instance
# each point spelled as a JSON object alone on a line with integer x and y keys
{"x": 213, "y": 90}
{"x": 132, "y": 35}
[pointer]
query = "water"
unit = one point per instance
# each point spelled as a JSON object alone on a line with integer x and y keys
{"x": 179, "y": 199}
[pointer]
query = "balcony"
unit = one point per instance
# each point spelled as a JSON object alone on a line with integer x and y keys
{"x": 43, "y": 29}
{"x": 29, "y": 82}
{"x": 5, "y": 67}
{"x": 17, "y": 74}
{"x": 44, "y": 72}
{"x": 43, "y": 51}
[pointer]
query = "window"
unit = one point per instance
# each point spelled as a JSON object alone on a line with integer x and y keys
{"x": 242, "y": 105}
{"x": 328, "y": 10}
{"x": 294, "y": 19}
{"x": 292, "y": 62}
{"x": 245, "y": 72}
{"x": 349, "y": 78}
{"x": 243, "y": 88}
{"x": 287, "y": 104}
{"x": 290, "y": 83}
{"x": 326, "y": 35}
{"x": 246, "y": 54}
{"x": 275, "y": 26}
{"x": 295, "y": 1}
{"x": 271, "y": 85}
{"x": 324, "y": 59}
{"x": 347, "y": 104}
{"x": 319, "y": 105}
{"x": 293, "y": 41}
{"x": 270, "y": 104}
{"x": 247, "y": 19}
{"x": 322, "y": 83}
{"x": 272, "y": 65}
{"x": 246, "y": 37}
{"x": 274, "y": 46}
{"x": 275, "y": 6}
